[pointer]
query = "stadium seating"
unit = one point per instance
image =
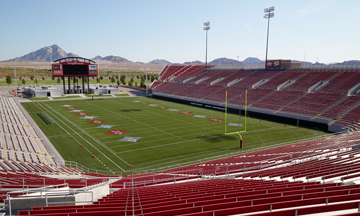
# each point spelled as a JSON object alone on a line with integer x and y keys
{"x": 234, "y": 76}
{"x": 283, "y": 77}
{"x": 311, "y": 78}
{"x": 281, "y": 181}
{"x": 205, "y": 91}
{"x": 278, "y": 99}
{"x": 256, "y": 77}
{"x": 313, "y": 103}
{"x": 343, "y": 82}
{"x": 219, "y": 96}
{"x": 336, "y": 110}
{"x": 187, "y": 89}
{"x": 252, "y": 96}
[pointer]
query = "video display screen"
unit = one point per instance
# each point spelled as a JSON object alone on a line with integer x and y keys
{"x": 75, "y": 70}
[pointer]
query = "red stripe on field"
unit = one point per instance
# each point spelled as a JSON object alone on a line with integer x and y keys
{"x": 71, "y": 107}
{"x": 120, "y": 132}
{"x": 216, "y": 120}
{"x": 96, "y": 121}
{"x": 81, "y": 113}
{"x": 161, "y": 107}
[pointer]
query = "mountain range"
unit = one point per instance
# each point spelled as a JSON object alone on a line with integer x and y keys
{"x": 54, "y": 52}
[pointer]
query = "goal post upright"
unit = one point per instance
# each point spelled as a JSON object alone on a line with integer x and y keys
{"x": 238, "y": 133}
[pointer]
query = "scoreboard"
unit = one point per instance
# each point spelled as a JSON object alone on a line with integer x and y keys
{"x": 74, "y": 66}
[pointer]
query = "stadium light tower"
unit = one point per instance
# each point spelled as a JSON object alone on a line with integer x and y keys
{"x": 268, "y": 14}
{"x": 206, "y": 28}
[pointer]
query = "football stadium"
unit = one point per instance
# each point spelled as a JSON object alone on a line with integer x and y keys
{"x": 204, "y": 140}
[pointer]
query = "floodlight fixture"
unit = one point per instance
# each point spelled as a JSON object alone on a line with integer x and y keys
{"x": 206, "y": 28}
{"x": 268, "y": 14}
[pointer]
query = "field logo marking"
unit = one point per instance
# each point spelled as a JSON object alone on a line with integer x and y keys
{"x": 137, "y": 101}
{"x": 216, "y": 120}
{"x": 96, "y": 121}
{"x": 144, "y": 103}
{"x": 175, "y": 110}
{"x": 71, "y": 108}
{"x": 75, "y": 110}
{"x": 66, "y": 105}
{"x": 81, "y": 114}
{"x": 119, "y": 132}
{"x": 235, "y": 124}
{"x": 106, "y": 126}
{"x": 187, "y": 113}
{"x": 89, "y": 117}
{"x": 130, "y": 139}
{"x": 199, "y": 116}
{"x": 162, "y": 107}
{"x": 153, "y": 105}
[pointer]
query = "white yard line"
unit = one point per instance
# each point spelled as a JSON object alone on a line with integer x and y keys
{"x": 83, "y": 137}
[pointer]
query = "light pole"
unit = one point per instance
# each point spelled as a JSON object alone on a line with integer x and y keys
{"x": 35, "y": 81}
{"x": 206, "y": 28}
{"x": 268, "y": 14}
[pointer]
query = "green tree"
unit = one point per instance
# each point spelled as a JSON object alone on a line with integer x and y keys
{"x": 23, "y": 81}
{"x": 143, "y": 79}
{"x": 43, "y": 78}
{"x": 130, "y": 83}
{"x": 32, "y": 77}
{"x": 142, "y": 84}
{"x": 152, "y": 78}
{"x": 101, "y": 77}
{"x": 98, "y": 80}
{"x": 58, "y": 80}
{"x": 35, "y": 81}
{"x": 8, "y": 80}
{"x": 53, "y": 78}
{"x": 132, "y": 79}
{"x": 112, "y": 79}
{"x": 118, "y": 82}
{"x": 137, "y": 76}
{"x": 116, "y": 77}
{"x": 136, "y": 84}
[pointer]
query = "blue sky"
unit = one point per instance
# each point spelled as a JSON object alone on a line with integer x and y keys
{"x": 143, "y": 30}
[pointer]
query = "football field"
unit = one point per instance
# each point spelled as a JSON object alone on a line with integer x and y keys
{"x": 141, "y": 134}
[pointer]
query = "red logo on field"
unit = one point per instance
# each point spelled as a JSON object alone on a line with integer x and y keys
{"x": 144, "y": 103}
{"x": 185, "y": 112}
{"x": 216, "y": 120}
{"x": 71, "y": 108}
{"x": 81, "y": 113}
{"x": 161, "y": 107}
{"x": 120, "y": 132}
{"x": 96, "y": 121}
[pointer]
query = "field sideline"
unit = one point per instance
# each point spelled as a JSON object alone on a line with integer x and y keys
{"x": 167, "y": 138}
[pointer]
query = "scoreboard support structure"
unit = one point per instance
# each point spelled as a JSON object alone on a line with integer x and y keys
{"x": 75, "y": 67}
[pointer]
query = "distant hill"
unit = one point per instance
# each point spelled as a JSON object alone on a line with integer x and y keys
{"x": 114, "y": 59}
{"x": 194, "y": 63}
{"x": 252, "y": 60}
{"x": 54, "y": 52}
{"x": 45, "y": 54}
{"x": 159, "y": 62}
{"x": 225, "y": 61}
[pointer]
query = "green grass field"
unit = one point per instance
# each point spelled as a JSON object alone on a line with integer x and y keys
{"x": 168, "y": 138}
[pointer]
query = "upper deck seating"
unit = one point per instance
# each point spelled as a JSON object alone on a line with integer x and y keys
{"x": 278, "y": 99}
{"x": 311, "y": 78}
{"x": 282, "y": 77}
{"x": 255, "y": 77}
{"x": 313, "y": 103}
{"x": 343, "y": 82}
